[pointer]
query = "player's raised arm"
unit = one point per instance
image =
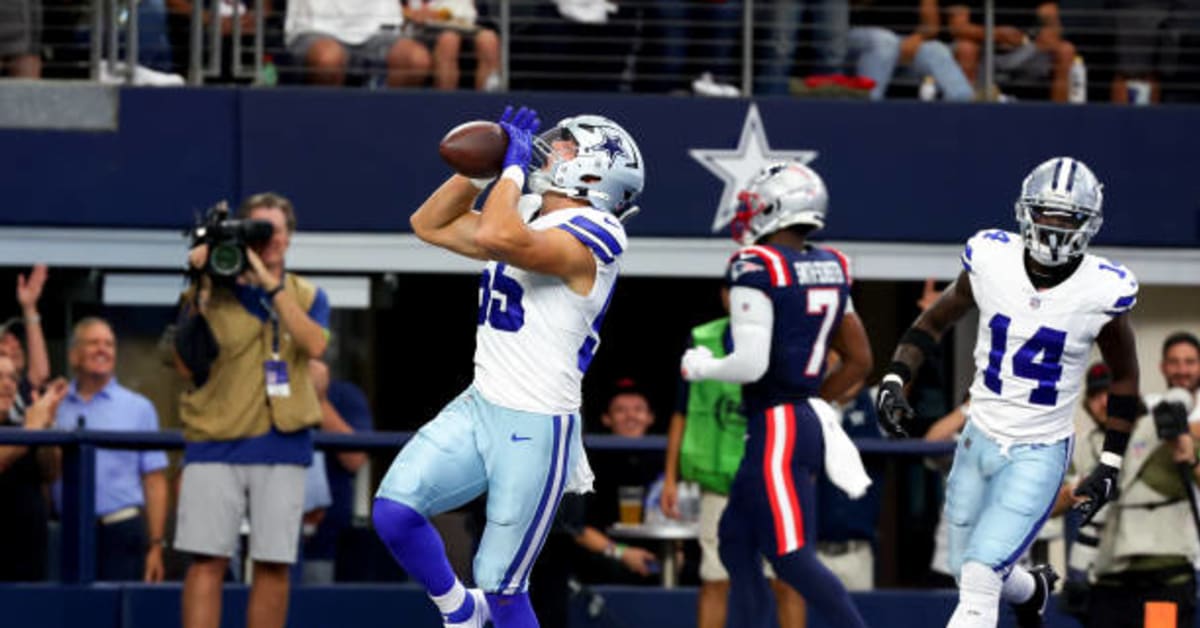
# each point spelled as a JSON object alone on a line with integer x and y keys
{"x": 503, "y": 234}
{"x": 1117, "y": 345}
{"x": 919, "y": 341}
{"x": 445, "y": 219}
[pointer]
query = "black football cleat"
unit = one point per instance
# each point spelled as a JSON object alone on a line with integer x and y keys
{"x": 1029, "y": 613}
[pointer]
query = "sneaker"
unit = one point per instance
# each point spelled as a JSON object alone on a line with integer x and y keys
{"x": 480, "y": 617}
{"x": 706, "y": 85}
{"x": 1029, "y": 613}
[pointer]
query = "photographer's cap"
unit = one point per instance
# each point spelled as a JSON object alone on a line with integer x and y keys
{"x": 1099, "y": 378}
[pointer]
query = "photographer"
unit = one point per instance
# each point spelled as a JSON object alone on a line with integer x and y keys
{"x": 1147, "y": 536}
{"x": 245, "y": 344}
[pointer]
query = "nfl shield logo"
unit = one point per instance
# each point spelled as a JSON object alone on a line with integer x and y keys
{"x": 1035, "y": 302}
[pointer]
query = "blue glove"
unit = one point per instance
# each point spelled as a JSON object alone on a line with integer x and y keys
{"x": 521, "y": 127}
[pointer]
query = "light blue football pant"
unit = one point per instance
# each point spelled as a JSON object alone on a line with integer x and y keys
{"x": 522, "y": 460}
{"x": 996, "y": 500}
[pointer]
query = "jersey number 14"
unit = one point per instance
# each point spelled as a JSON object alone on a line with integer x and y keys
{"x": 1046, "y": 342}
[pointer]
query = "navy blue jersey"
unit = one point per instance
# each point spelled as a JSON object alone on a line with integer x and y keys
{"x": 809, "y": 289}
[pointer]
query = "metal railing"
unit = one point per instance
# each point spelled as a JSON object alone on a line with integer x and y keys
{"x": 646, "y": 46}
{"x": 79, "y": 469}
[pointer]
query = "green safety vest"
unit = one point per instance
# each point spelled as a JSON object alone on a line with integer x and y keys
{"x": 714, "y": 438}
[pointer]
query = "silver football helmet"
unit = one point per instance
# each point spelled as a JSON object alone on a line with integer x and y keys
{"x": 781, "y": 195}
{"x": 603, "y": 167}
{"x": 1059, "y": 210}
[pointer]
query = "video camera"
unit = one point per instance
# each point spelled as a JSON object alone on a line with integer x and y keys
{"x": 227, "y": 239}
{"x": 1171, "y": 414}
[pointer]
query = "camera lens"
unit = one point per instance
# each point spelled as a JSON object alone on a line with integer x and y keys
{"x": 226, "y": 259}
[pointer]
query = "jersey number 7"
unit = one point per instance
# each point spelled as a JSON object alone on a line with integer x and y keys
{"x": 1047, "y": 342}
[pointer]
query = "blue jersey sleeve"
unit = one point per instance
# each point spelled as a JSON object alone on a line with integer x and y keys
{"x": 602, "y": 234}
{"x": 319, "y": 310}
{"x": 1120, "y": 287}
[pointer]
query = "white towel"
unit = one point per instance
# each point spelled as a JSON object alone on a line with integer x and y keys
{"x": 842, "y": 462}
{"x": 580, "y": 479}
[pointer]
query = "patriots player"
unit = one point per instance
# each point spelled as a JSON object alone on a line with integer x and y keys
{"x": 515, "y": 432}
{"x": 789, "y": 304}
{"x": 1042, "y": 302}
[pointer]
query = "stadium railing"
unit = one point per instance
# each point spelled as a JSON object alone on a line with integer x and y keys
{"x": 79, "y": 470}
{"x": 644, "y": 45}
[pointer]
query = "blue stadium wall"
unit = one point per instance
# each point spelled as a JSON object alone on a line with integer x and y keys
{"x": 360, "y": 161}
{"x": 140, "y": 606}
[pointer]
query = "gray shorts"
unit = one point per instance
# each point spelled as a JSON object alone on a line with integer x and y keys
{"x": 367, "y": 57}
{"x": 213, "y": 500}
{"x": 20, "y": 27}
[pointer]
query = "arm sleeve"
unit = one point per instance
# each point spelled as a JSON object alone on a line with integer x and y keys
{"x": 752, "y": 318}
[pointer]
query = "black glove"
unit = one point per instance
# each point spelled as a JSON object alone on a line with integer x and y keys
{"x": 1101, "y": 487}
{"x": 893, "y": 407}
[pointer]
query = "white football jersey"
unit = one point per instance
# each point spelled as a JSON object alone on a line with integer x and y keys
{"x": 536, "y": 336}
{"x": 1032, "y": 346}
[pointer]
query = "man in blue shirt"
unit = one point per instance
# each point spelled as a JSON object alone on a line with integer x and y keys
{"x": 131, "y": 486}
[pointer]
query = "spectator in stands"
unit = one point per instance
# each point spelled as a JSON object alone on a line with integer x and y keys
{"x": 34, "y": 373}
{"x": 1029, "y": 43}
{"x": 879, "y": 50}
{"x": 1148, "y": 45}
{"x": 248, "y": 414}
{"x": 620, "y": 472}
{"x": 23, "y": 470}
{"x": 846, "y": 528}
{"x": 344, "y": 410}
{"x": 628, "y": 413}
{"x": 827, "y": 24}
{"x": 21, "y": 38}
{"x": 131, "y": 485}
{"x": 1146, "y": 537}
{"x": 441, "y": 25}
{"x": 332, "y": 38}
{"x": 705, "y": 444}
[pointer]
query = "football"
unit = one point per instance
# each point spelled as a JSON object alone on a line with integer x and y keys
{"x": 475, "y": 149}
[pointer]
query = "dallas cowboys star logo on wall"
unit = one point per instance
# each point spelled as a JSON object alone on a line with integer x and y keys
{"x": 737, "y": 167}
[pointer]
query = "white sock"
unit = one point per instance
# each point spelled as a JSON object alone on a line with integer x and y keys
{"x": 451, "y": 600}
{"x": 978, "y": 597}
{"x": 1019, "y": 586}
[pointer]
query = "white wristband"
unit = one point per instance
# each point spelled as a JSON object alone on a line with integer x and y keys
{"x": 1110, "y": 459}
{"x": 892, "y": 377}
{"x": 481, "y": 183}
{"x": 516, "y": 174}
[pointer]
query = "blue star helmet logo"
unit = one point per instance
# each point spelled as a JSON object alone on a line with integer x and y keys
{"x": 612, "y": 146}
